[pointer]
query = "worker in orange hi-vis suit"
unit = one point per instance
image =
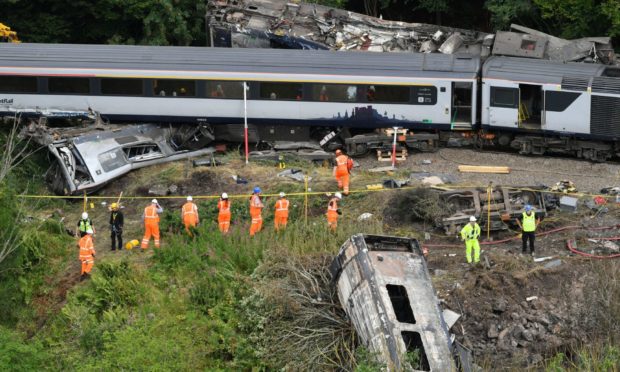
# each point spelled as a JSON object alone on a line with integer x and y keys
{"x": 189, "y": 212}
{"x": 333, "y": 211}
{"x": 223, "y": 217}
{"x": 87, "y": 253}
{"x": 150, "y": 218}
{"x": 281, "y": 215}
{"x": 341, "y": 171}
{"x": 256, "y": 207}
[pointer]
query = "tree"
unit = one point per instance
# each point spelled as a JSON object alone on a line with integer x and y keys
{"x": 505, "y": 12}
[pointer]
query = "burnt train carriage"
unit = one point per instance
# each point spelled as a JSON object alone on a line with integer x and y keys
{"x": 186, "y": 84}
{"x": 543, "y": 106}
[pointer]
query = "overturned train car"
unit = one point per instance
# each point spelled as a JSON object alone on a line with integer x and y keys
{"x": 385, "y": 288}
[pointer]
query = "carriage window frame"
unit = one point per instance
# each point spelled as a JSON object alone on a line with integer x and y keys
{"x": 120, "y": 93}
{"x": 53, "y": 80}
{"x": 211, "y": 86}
{"x": 498, "y": 90}
{"x": 268, "y": 88}
{"x": 30, "y": 80}
{"x": 188, "y": 83}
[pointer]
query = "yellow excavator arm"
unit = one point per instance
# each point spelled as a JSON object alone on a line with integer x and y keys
{"x": 6, "y": 35}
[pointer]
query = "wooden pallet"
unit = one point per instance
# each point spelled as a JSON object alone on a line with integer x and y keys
{"x": 383, "y": 155}
{"x": 483, "y": 169}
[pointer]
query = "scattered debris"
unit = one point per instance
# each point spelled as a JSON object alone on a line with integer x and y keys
{"x": 532, "y": 298}
{"x": 568, "y": 203}
{"x": 611, "y": 245}
{"x": 239, "y": 180}
{"x": 542, "y": 259}
{"x": 432, "y": 181}
{"x": 394, "y": 184}
{"x": 207, "y": 162}
{"x": 295, "y": 174}
{"x": 445, "y": 178}
{"x": 426, "y": 162}
{"x": 564, "y": 186}
{"x": 450, "y": 316}
{"x": 483, "y": 169}
{"x": 552, "y": 264}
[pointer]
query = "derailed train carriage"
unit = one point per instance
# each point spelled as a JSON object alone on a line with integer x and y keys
{"x": 338, "y": 98}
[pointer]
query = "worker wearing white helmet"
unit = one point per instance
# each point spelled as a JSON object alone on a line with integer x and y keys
{"x": 333, "y": 211}
{"x": 189, "y": 215}
{"x": 87, "y": 253}
{"x": 84, "y": 225}
{"x": 470, "y": 234}
{"x": 223, "y": 216}
{"x": 150, "y": 219}
{"x": 281, "y": 212}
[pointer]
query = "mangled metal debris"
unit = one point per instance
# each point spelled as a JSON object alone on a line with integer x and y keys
{"x": 284, "y": 24}
{"x": 503, "y": 205}
{"x": 87, "y": 158}
{"x": 385, "y": 289}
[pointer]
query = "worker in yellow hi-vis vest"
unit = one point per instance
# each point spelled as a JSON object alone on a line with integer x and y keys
{"x": 528, "y": 224}
{"x": 470, "y": 234}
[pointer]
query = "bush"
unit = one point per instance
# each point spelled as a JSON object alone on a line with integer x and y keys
{"x": 18, "y": 355}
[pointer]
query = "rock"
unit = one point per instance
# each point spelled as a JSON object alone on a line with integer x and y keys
{"x": 535, "y": 359}
{"x": 611, "y": 246}
{"x": 502, "y": 335}
{"x": 518, "y": 331}
{"x": 514, "y": 343}
{"x": 522, "y": 343}
{"x": 543, "y": 320}
{"x": 514, "y": 316}
{"x": 528, "y": 335}
{"x": 173, "y": 189}
{"x": 427, "y": 161}
{"x": 150, "y": 316}
{"x": 492, "y": 332}
{"x": 500, "y": 306}
{"x": 158, "y": 190}
{"x": 364, "y": 217}
{"x": 439, "y": 272}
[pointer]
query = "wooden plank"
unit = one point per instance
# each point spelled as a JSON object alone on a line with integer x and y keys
{"x": 483, "y": 169}
{"x": 387, "y": 155}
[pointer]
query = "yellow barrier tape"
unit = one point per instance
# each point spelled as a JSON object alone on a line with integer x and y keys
{"x": 444, "y": 187}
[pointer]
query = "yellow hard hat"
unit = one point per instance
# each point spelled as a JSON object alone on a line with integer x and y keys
{"x": 114, "y": 206}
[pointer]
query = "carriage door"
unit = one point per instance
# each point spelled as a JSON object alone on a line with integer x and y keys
{"x": 461, "y": 105}
{"x": 531, "y": 106}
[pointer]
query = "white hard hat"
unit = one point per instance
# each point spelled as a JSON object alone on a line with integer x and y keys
{"x": 154, "y": 201}
{"x": 282, "y": 194}
{"x": 84, "y": 215}
{"x": 224, "y": 195}
{"x": 472, "y": 219}
{"x": 189, "y": 198}
{"x": 338, "y": 195}
{"x": 89, "y": 231}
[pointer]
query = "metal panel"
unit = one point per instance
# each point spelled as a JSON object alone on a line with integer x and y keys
{"x": 605, "y": 116}
{"x": 579, "y": 83}
{"x": 606, "y": 85}
{"x": 538, "y": 71}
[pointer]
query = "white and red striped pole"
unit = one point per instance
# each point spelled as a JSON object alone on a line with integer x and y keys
{"x": 245, "y": 122}
{"x": 394, "y": 148}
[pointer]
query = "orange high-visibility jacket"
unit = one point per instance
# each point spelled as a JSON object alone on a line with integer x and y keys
{"x": 87, "y": 248}
{"x": 190, "y": 212}
{"x": 332, "y": 208}
{"x": 224, "y": 207}
{"x": 150, "y": 214}
{"x": 256, "y": 205}
{"x": 282, "y": 207}
{"x": 341, "y": 168}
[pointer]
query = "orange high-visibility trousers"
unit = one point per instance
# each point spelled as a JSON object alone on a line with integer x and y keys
{"x": 280, "y": 220}
{"x": 223, "y": 220}
{"x": 343, "y": 183}
{"x": 150, "y": 229}
{"x": 87, "y": 265}
{"x": 189, "y": 221}
{"x": 256, "y": 225}
{"x": 332, "y": 220}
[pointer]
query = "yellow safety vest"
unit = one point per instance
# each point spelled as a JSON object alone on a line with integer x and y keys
{"x": 529, "y": 222}
{"x": 470, "y": 233}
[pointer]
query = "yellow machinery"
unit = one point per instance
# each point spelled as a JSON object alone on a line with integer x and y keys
{"x": 6, "y": 35}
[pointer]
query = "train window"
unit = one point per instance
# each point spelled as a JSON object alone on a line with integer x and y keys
{"x": 18, "y": 84}
{"x": 68, "y": 85}
{"x": 334, "y": 93}
{"x": 121, "y": 87}
{"x": 281, "y": 91}
{"x": 387, "y": 93}
{"x": 504, "y": 97}
{"x": 174, "y": 88}
{"x": 415, "y": 345}
{"x": 225, "y": 89}
{"x": 424, "y": 95}
{"x": 400, "y": 303}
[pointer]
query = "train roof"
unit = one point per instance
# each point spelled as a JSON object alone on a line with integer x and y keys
{"x": 240, "y": 60}
{"x": 538, "y": 71}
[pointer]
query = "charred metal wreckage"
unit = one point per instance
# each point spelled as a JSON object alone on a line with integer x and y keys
{"x": 385, "y": 289}
{"x": 87, "y": 158}
{"x": 299, "y": 25}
